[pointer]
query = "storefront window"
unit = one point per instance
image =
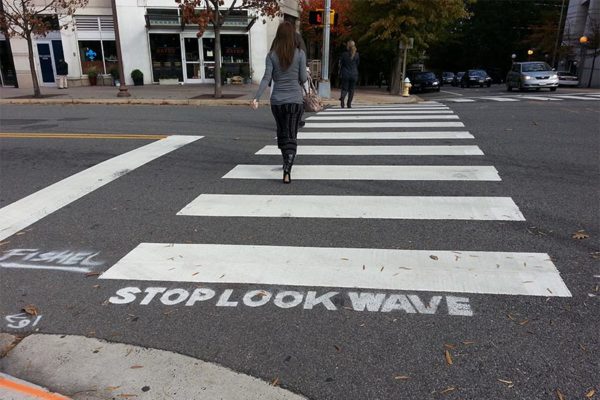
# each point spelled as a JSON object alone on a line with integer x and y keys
{"x": 208, "y": 49}
{"x": 98, "y": 55}
{"x": 165, "y": 50}
{"x": 235, "y": 55}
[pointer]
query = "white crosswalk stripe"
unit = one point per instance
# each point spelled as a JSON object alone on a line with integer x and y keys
{"x": 370, "y": 172}
{"x": 379, "y": 207}
{"x": 377, "y": 117}
{"x": 349, "y": 125}
{"x": 485, "y": 272}
{"x": 385, "y": 135}
{"x": 539, "y": 98}
{"x": 563, "y": 96}
{"x": 498, "y": 98}
{"x": 380, "y": 150}
{"x": 461, "y": 100}
{"x": 529, "y": 274}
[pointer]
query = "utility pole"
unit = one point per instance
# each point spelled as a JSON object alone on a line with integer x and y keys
{"x": 325, "y": 85}
{"x": 123, "y": 92}
{"x": 558, "y": 33}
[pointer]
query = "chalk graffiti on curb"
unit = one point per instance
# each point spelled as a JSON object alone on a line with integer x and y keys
{"x": 22, "y": 320}
{"x": 285, "y": 299}
{"x": 60, "y": 260}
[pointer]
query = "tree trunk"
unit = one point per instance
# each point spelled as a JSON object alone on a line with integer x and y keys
{"x": 397, "y": 77}
{"x": 34, "y": 78}
{"x": 218, "y": 78}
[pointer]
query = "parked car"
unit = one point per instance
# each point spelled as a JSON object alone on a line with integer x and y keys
{"x": 422, "y": 81}
{"x": 447, "y": 77}
{"x": 566, "y": 78}
{"x": 457, "y": 78}
{"x": 531, "y": 74}
{"x": 475, "y": 77}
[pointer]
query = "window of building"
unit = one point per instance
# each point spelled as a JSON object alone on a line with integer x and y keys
{"x": 235, "y": 55}
{"x": 98, "y": 55}
{"x": 165, "y": 51}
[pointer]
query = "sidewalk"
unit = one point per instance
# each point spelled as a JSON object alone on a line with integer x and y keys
{"x": 196, "y": 95}
{"x": 83, "y": 368}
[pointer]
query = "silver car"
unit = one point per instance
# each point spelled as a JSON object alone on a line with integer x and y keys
{"x": 531, "y": 75}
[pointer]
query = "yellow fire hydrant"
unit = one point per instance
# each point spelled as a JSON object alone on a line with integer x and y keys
{"x": 406, "y": 88}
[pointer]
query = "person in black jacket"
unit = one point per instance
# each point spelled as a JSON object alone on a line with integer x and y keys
{"x": 62, "y": 70}
{"x": 349, "y": 72}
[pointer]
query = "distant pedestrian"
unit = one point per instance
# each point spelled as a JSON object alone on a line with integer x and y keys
{"x": 349, "y": 73}
{"x": 62, "y": 70}
{"x": 286, "y": 66}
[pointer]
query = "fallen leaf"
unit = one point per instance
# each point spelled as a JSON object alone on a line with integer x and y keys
{"x": 127, "y": 395}
{"x": 112, "y": 387}
{"x": 338, "y": 348}
{"x": 582, "y": 347}
{"x": 92, "y": 274}
{"x": 505, "y": 381}
{"x": 96, "y": 286}
{"x": 136, "y": 366}
{"x": 448, "y": 357}
{"x": 591, "y": 393}
{"x": 381, "y": 270}
{"x": 363, "y": 267}
{"x": 510, "y": 317}
{"x": 195, "y": 273}
{"x": 402, "y": 377}
{"x": 449, "y": 346}
{"x": 433, "y": 257}
{"x": 275, "y": 382}
{"x": 525, "y": 322}
{"x": 30, "y": 309}
{"x": 581, "y": 234}
{"x": 448, "y": 390}
{"x": 467, "y": 342}
{"x": 345, "y": 259}
{"x": 560, "y": 395}
{"x": 3, "y": 243}
{"x": 221, "y": 276}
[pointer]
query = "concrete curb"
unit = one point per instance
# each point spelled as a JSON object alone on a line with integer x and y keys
{"x": 190, "y": 102}
{"x": 91, "y": 369}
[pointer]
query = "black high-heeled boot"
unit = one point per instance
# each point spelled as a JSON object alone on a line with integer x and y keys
{"x": 287, "y": 167}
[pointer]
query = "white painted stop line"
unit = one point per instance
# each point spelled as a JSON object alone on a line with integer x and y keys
{"x": 575, "y": 97}
{"x": 387, "y": 109}
{"x": 28, "y": 210}
{"x": 321, "y": 117}
{"x": 460, "y": 100}
{"x": 345, "y": 125}
{"x": 386, "y": 135}
{"x": 368, "y": 207}
{"x": 529, "y": 274}
{"x": 539, "y": 98}
{"x": 380, "y": 150}
{"x": 369, "y": 172}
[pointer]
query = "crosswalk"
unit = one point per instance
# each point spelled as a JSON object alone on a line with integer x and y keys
{"x": 455, "y": 271}
{"x": 523, "y": 97}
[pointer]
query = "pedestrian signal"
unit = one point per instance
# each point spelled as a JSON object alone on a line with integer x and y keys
{"x": 316, "y": 17}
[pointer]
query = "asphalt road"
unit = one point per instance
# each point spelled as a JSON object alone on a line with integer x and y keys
{"x": 500, "y": 346}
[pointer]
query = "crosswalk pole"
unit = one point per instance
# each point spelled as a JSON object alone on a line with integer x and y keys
{"x": 325, "y": 85}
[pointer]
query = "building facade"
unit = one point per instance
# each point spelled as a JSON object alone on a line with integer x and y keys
{"x": 583, "y": 20}
{"x": 154, "y": 40}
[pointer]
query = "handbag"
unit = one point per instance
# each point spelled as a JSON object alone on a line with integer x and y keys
{"x": 312, "y": 101}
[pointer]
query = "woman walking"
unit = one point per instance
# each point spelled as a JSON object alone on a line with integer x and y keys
{"x": 349, "y": 72}
{"x": 286, "y": 66}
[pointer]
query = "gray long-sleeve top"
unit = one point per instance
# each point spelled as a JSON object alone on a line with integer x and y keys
{"x": 287, "y": 83}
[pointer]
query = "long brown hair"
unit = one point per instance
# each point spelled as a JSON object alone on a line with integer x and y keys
{"x": 284, "y": 44}
{"x": 351, "y": 46}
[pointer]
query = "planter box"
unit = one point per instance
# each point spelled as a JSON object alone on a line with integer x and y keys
{"x": 170, "y": 81}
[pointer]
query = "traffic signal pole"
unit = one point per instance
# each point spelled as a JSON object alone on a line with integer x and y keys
{"x": 324, "y": 85}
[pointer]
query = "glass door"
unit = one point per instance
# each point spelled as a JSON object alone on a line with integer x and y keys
{"x": 46, "y": 64}
{"x": 208, "y": 58}
{"x": 193, "y": 70}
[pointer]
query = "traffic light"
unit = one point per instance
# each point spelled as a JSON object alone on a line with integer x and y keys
{"x": 316, "y": 17}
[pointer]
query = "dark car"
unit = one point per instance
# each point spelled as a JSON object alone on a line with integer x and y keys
{"x": 475, "y": 77}
{"x": 422, "y": 81}
{"x": 447, "y": 77}
{"x": 457, "y": 78}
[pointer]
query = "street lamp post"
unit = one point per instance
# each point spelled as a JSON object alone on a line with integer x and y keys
{"x": 123, "y": 92}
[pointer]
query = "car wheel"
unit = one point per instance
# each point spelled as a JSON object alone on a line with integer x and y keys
{"x": 489, "y": 84}
{"x": 481, "y": 85}
{"x": 553, "y": 89}
{"x": 508, "y": 88}
{"x": 438, "y": 89}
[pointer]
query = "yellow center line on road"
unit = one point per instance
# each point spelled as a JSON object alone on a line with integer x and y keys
{"x": 6, "y": 135}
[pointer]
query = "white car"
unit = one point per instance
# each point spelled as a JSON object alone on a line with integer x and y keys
{"x": 531, "y": 75}
{"x": 566, "y": 78}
